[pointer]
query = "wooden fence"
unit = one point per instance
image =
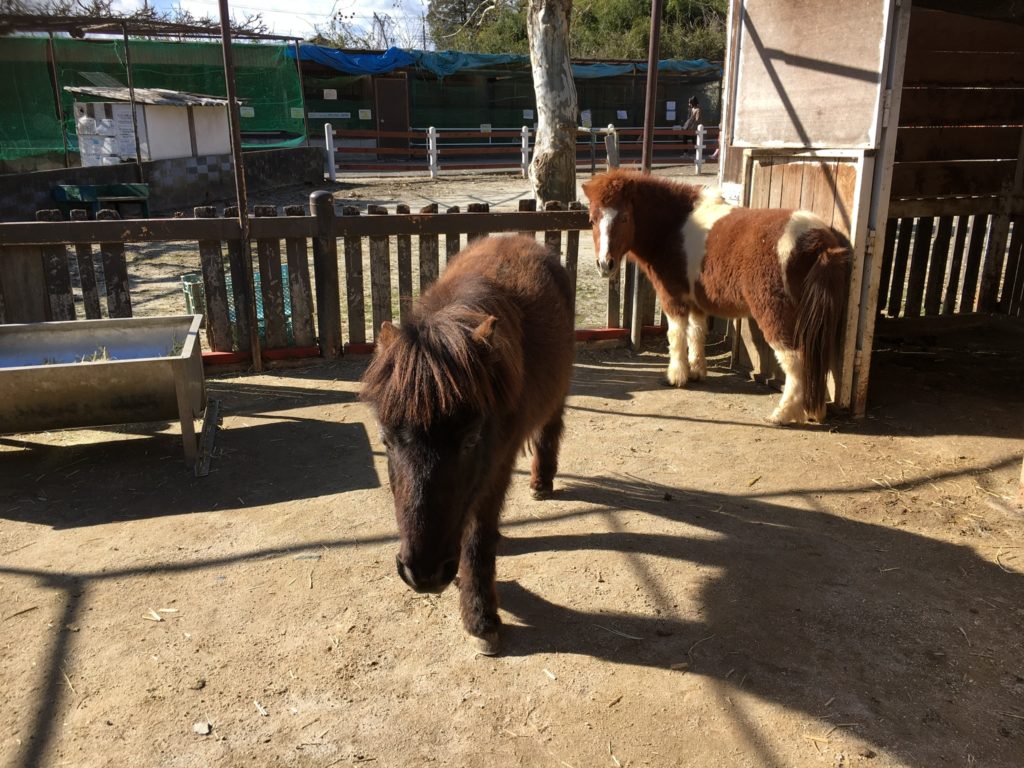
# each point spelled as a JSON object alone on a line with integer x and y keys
{"x": 326, "y": 299}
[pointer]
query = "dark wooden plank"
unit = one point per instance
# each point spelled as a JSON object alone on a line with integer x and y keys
{"x": 572, "y": 255}
{"x": 935, "y": 30}
{"x": 86, "y": 271}
{"x": 846, "y": 184}
{"x": 964, "y": 68}
{"x": 553, "y": 237}
{"x": 215, "y": 291}
{"x": 761, "y": 182}
{"x": 1016, "y": 302}
{"x": 949, "y": 206}
{"x": 115, "y": 271}
{"x": 238, "y": 252}
{"x": 404, "y": 246}
{"x": 325, "y": 275}
{"x": 892, "y": 229}
{"x": 299, "y": 286}
{"x": 428, "y": 254}
{"x": 528, "y": 205}
{"x": 953, "y": 177}
{"x": 380, "y": 274}
{"x": 268, "y": 251}
{"x": 103, "y": 230}
{"x": 627, "y": 294}
{"x": 291, "y": 226}
{"x": 775, "y": 188}
{"x": 354, "y": 290}
{"x": 937, "y": 267}
{"x": 894, "y": 306}
{"x": 958, "y": 106}
{"x": 1014, "y": 266}
{"x": 918, "y": 269}
{"x": 969, "y": 287}
{"x": 614, "y": 318}
{"x": 57, "y": 276}
{"x": 477, "y": 208}
{"x": 992, "y": 263}
{"x": 957, "y": 143}
{"x": 3, "y": 303}
{"x": 956, "y": 265}
{"x": 452, "y": 241}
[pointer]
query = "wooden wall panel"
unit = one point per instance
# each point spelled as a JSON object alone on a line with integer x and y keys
{"x": 969, "y": 177}
{"x": 959, "y": 106}
{"x": 957, "y": 143}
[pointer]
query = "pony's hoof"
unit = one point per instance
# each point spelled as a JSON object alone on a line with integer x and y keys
{"x": 488, "y": 645}
{"x": 540, "y": 493}
{"x": 781, "y": 418}
{"x": 698, "y": 372}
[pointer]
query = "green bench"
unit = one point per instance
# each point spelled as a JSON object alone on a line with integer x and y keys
{"x": 93, "y": 197}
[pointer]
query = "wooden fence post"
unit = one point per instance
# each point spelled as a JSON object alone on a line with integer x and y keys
{"x": 477, "y": 208}
{"x": 528, "y": 205}
{"x": 380, "y": 274}
{"x": 325, "y": 268}
{"x": 211, "y": 261}
{"x": 611, "y": 147}
{"x": 553, "y": 238}
{"x": 58, "y": 277}
{"x": 239, "y": 287}
{"x": 298, "y": 284}
{"x": 354, "y": 282}
{"x": 329, "y": 160}
{"x": 525, "y": 160}
{"x": 428, "y": 254}
{"x": 404, "y": 269}
{"x": 115, "y": 272}
{"x": 268, "y": 251}
{"x": 572, "y": 254}
{"x": 452, "y": 240}
{"x": 86, "y": 271}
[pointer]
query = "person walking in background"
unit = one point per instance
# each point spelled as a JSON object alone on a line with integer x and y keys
{"x": 694, "y": 119}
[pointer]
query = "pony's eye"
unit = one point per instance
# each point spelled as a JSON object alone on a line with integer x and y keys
{"x": 470, "y": 441}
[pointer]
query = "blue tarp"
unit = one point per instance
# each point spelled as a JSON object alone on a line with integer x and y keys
{"x": 444, "y": 63}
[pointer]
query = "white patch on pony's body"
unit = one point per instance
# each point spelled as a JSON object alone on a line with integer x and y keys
{"x": 799, "y": 223}
{"x": 678, "y": 362}
{"x": 605, "y": 227}
{"x": 709, "y": 208}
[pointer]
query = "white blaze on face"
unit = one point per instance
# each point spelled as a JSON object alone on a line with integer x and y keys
{"x": 604, "y": 228}
{"x": 709, "y": 208}
{"x": 799, "y": 223}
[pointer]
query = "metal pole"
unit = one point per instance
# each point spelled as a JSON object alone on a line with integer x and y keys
{"x": 131, "y": 98}
{"x": 60, "y": 107}
{"x": 236, "y": 160}
{"x": 330, "y": 160}
{"x": 302, "y": 91}
{"x": 641, "y": 285}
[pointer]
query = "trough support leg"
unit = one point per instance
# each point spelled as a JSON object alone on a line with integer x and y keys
{"x": 186, "y": 417}
{"x": 207, "y": 437}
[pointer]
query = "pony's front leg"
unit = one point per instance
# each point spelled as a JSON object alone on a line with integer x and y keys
{"x": 696, "y": 334}
{"x": 678, "y": 356}
{"x": 478, "y": 596}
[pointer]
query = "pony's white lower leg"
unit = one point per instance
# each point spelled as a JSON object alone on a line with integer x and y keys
{"x": 790, "y": 409}
{"x": 678, "y": 363}
{"x": 696, "y": 333}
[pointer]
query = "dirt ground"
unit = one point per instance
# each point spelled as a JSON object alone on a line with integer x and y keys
{"x": 703, "y": 590}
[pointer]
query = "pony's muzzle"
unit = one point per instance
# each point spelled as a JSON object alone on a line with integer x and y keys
{"x": 433, "y": 583}
{"x": 607, "y": 267}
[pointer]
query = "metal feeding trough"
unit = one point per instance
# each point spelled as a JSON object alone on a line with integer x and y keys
{"x": 90, "y": 373}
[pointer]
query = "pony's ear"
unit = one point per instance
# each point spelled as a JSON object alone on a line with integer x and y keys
{"x": 586, "y": 188}
{"x": 386, "y": 336}
{"x": 484, "y": 331}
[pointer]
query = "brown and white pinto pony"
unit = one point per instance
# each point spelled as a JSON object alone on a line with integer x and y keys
{"x": 786, "y": 269}
{"x": 481, "y": 367}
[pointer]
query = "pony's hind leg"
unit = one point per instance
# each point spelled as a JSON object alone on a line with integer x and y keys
{"x": 678, "y": 356}
{"x": 696, "y": 334}
{"x": 790, "y": 409}
{"x": 545, "y": 444}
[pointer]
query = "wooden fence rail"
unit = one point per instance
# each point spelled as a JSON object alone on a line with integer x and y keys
{"x": 298, "y": 309}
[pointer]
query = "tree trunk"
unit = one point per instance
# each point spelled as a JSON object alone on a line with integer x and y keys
{"x": 553, "y": 169}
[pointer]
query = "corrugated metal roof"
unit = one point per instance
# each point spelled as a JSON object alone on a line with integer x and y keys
{"x": 149, "y": 96}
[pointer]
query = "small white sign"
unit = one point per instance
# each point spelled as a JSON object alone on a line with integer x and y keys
{"x": 330, "y": 94}
{"x": 330, "y": 115}
{"x": 527, "y": 114}
{"x": 246, "y": 112}
{"x": 670, "y": 114}
{"x": 365, "y": 114}
{"x": 621, "y": 114}
{"x": 671, "y": 105}
{"x": 485, "y": 127}
{"x": 586, "y": 120}
{"x": 297, "y": 113}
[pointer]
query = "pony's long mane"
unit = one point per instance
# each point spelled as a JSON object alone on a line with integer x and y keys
{"x": 666, "y": 197}
{"x": 434, "y": 367}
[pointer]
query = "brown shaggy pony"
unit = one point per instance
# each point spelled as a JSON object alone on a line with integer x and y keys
{"x": 786, "y": 269}
{"x": 482, "y": 366}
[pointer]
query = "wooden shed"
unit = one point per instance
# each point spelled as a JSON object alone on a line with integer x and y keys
{"x": 899, "y": 121}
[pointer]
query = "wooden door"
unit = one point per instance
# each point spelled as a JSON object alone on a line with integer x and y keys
{"x": 391, "y": 102}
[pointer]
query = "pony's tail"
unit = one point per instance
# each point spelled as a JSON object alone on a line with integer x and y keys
{"x": 818, "y": 319}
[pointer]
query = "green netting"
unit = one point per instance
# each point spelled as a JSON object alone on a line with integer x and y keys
{"x": 267, "y": 84}
{"x": 28, "y": 115}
